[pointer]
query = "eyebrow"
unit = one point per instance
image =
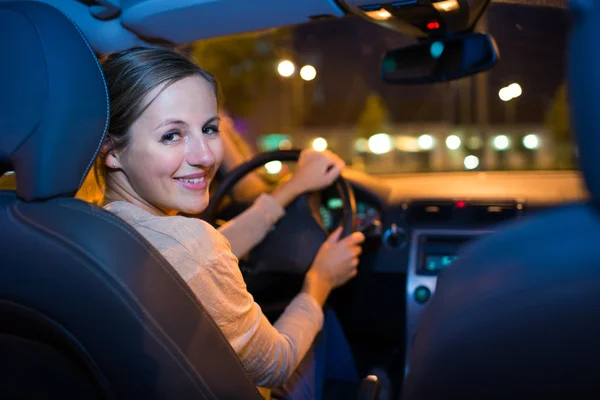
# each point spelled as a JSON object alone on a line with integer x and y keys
{"x": 180, "y": 122}
{"x": 171, "y": 122}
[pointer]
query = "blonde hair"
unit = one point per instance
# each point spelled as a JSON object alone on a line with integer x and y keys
{"x": 91, "y": 191}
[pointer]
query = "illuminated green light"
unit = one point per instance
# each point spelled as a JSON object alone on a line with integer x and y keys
{"x": 334, "y": 203}
{"x": 271, "y": 142}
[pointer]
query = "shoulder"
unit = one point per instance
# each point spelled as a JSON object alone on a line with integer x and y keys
{"x": 197, "y": 237}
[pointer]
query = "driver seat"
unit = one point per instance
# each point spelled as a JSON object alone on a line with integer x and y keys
{"x": 88, "y": 308}
{"x": 517, "y": 316}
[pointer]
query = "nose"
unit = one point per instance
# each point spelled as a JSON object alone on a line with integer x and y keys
{"x": 199, "y": 152}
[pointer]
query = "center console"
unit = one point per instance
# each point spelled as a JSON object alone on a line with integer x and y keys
{"x": 431, "y": 251}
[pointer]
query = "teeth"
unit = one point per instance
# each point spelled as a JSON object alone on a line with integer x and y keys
{"x": 195, "y": 180}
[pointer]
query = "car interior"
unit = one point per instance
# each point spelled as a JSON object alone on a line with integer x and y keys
{"x": 475, "y": 282}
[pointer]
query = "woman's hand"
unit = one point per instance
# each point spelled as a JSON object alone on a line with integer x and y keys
{"x": 315, "y": 171}
{"x": 334, "y": 265}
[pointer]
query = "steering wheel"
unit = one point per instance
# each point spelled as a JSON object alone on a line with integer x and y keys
{"x": 279, "y": 262}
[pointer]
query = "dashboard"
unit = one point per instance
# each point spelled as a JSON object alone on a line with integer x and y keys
{"x": 426, "y": 222}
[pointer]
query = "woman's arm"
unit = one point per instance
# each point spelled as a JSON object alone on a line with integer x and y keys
{"x": 314, "y": 171}
{"x": 202, "y": 257}
{"x": 251, "y": 226}
{"x": 269, "y": 353}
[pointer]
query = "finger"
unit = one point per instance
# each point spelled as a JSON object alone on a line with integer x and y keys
{"x": 354, "y": 262}
{"x": 325, "y": 154}
{"x": 353, "y": 273}
{"x": 337, "y": 160}
{"x": 335, "y": 236}
{"x": 355, "y": 238}
{"x": 332, "y": 174}
{"x": 356, "y": 251}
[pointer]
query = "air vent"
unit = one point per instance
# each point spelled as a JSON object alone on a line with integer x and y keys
{"x": 491, "y": 213}
{"x": 371, "y": 7}
{"x": 429, "y": 212}
{"x": 398, "y": 4}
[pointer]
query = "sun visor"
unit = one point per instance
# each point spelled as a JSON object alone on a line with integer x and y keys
{"x": 183, "y": 21}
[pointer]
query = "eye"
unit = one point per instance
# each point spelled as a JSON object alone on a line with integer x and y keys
{"x": 210, "y": 130}
{"x": 170, "y": 137}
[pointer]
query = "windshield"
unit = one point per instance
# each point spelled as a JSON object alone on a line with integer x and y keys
{"x": 319, "y": 85}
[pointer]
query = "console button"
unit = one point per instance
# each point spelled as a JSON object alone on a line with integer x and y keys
{"x": 394, "y": 237}
{"x": 422, "y": 294}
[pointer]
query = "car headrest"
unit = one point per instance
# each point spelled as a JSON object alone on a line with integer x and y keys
{"x": 584, "y": 88}
{"x": 53, "y": 101}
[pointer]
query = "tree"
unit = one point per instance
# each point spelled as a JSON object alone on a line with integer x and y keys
{"x": 557, "y": 118}
{"x": 245, "y": 65}
{"x": 374, "y": 118}
{"x": 557, "y": 121}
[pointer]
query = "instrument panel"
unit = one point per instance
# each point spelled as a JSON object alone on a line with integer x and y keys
{"x": 331, "y": 213}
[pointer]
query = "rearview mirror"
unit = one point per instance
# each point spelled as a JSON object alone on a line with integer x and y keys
{"x": 440, "y": 60}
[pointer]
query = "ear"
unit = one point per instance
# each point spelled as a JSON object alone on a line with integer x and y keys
{"x": 110, "y": 160}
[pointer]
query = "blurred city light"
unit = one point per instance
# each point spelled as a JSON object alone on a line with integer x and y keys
{"x": 361, "y": 145}
{"x": 308, "y": 73}
{"x": 504, "y": 94}
{"x": 426, "y": 142}
{"x": 515, "y": 90}
{"x": 273, "y": 141}
{"x": 286, "y": 68}
{"x": 319, "y": 144}
{"x": 407, "y": 143}
{"x": 501, "y": 142}
{"x": 380, "y": 143}
{"x": 453, "y": 142}
{"x": 531, "y": 141}
{"x": 273, "y": 167}
{"x": 510, "y": 92}
{"x": 473, "y": 142}
{"x": 285, "y": 144}
{"x": 471, "y": 162}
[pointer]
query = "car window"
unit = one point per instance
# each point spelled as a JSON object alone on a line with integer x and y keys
{"x": 319, "y": 85}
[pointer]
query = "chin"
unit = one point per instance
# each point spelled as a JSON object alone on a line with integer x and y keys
{"x": 194, "y": 208}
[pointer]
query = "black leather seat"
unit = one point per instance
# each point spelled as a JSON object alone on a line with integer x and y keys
{"x": 88, "y": 309}
{"x": 518, "y": 315}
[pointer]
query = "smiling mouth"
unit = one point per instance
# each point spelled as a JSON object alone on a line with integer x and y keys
{"x": 192, "y": 180}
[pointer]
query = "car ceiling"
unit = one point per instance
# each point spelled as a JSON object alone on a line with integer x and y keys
{"x": 184, "y": 21}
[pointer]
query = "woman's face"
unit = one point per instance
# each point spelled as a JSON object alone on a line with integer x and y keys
{"x": 174, "y": 149}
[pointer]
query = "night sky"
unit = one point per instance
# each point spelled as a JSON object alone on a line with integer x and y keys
{"x": 347, "y": 52}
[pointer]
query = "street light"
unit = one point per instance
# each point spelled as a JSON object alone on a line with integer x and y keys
{"x": 426, "y": 142}
{"x": 453, "y": 142}
{"x": 507, "y": 94}
{"x": 531, "y": 141}
{"x": 308, "y": 73}
{"x": 501, "y": 142}
{"x": 320, "y": 144}
{"x": 286, "y": 68}
{"x": 510, "y": 92}
{"x": 380, "y": 143}
{"x": 471, "y": 162}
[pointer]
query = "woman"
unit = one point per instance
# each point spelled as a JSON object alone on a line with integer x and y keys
{"x": 162, "y": 150}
